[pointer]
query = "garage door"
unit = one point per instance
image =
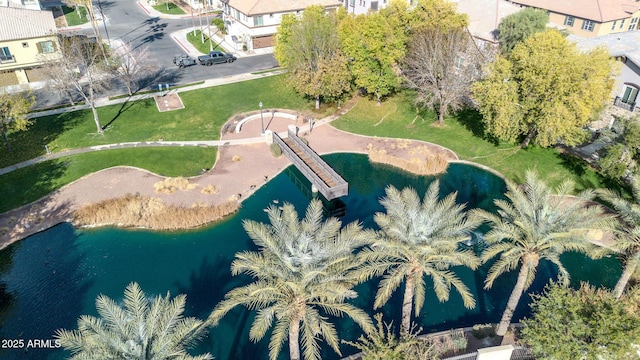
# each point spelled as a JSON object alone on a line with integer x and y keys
{"x": 260, "y": 42}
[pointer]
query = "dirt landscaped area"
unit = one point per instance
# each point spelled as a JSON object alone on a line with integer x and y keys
{"x": 239, "y": 171}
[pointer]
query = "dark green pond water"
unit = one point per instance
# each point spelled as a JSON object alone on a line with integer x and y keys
{"x": 50, "y": 279}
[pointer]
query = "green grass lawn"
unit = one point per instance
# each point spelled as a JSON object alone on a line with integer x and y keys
{"x": 168, "y": 8}
{"x": 396, "y": 117}
{"x": 196, "y": 41}
{"x": 204, "y": 114}
{"x": 208, "y": 109}
{"x": 31, "y": 183}
{"x": 202, "y": 118}
{"x": 72, "y": 16}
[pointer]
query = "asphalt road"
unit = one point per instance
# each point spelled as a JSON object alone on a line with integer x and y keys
{"x": 128, "y": 24}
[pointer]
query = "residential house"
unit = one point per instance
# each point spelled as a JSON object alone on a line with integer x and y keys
{"x": 364, "y": 6}
{"x": 485, "y": 16}
{"x": 252, "y": 24}
{"x": 24, "y": 36}
{"x": 22, "y": 4}
{"x": 589, "y": 18}
{"x": 625, "y": 47}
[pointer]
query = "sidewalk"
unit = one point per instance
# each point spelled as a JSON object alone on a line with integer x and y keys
{"x": 207, "y": 83}
{"x": 180, "y": 37}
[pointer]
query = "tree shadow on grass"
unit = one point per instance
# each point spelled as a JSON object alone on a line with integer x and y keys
{"x": 30, "y": 183}
{"x": 472, "y": 121}
{"x": 29, "y": 144}
{"x": 161, "y": 76}
{"x": 587, "y": 177}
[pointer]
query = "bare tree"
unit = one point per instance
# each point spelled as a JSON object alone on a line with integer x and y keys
{"x": 131, "y": 66}
{"x": 79, "y": 70}
{"x": 441, "y": 65}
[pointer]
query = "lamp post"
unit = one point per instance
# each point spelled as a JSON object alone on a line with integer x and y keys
{"x": 261, "y": 118}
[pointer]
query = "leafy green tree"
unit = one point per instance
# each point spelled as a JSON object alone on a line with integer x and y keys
{"x": 517, "y": 27}
{"x": 627, "y": 241}
{"x": 585, "y": 324}
{"x": 440, "y": 66}
{"x": 13, "y": 111}
{"x": 440, "y": 14}
{"x": 303, "y": 270}
{"x": 309, "y": 47}
{"x": 373, "y": 48}
{"x": 620, "y": 158}
{"x": 419, "y": 238}
{"x": 546, "y": 91}
{"x": 536, "y": 223}
{"x": 141, "y": 330}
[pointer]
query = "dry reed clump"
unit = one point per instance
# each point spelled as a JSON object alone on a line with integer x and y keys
{"x": 236, "y": 158}
{"x": 426, "y": 164}
{"x": 210, "y": 189}
{"x": 142, "y": 211}
{"x": 171, "y": 185}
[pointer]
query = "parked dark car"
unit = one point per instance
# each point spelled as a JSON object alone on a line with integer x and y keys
{"x": 183, "y": 61}
{"x": 216, "y": 57}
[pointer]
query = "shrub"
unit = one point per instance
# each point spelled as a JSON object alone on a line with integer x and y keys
{"x": 171, "y": 185}
{"x": 210, "y": 189}
{"x": 481, "y": 331}
{"x": 276, "y": 151}
{"x": 219, "y": 24}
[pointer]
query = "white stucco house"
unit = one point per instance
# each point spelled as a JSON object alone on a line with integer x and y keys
{"x": 358, "y": 7}
{"x": 254, "y": 23}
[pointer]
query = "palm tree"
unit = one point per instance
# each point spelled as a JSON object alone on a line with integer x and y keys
{"x": 534, "y": 224}
{"x": 302, "y": 271}
{"x": 139, "y": 330}
{"x": 628, "y": 234}
{"x": 419, "y": 238}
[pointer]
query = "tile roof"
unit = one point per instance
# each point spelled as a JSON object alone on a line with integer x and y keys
{"x": 482, "y": 15}
{"x": 625, "y": 44}
{"x": 596, "y": 10}
{"x": 19, "y": 24}
{"x": 259, "y": 7}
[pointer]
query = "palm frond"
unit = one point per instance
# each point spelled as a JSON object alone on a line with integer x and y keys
{"x": 309, "y": 343}
{"x": 389, "y": 283}
{"x": 278, "y": 336}
{"x": 261, "y": 323}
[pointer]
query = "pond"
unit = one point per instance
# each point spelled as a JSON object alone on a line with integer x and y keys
{"x": 50, "y": 279}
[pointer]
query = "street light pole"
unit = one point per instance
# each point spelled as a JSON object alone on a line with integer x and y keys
{"x": 261, "y": 118}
